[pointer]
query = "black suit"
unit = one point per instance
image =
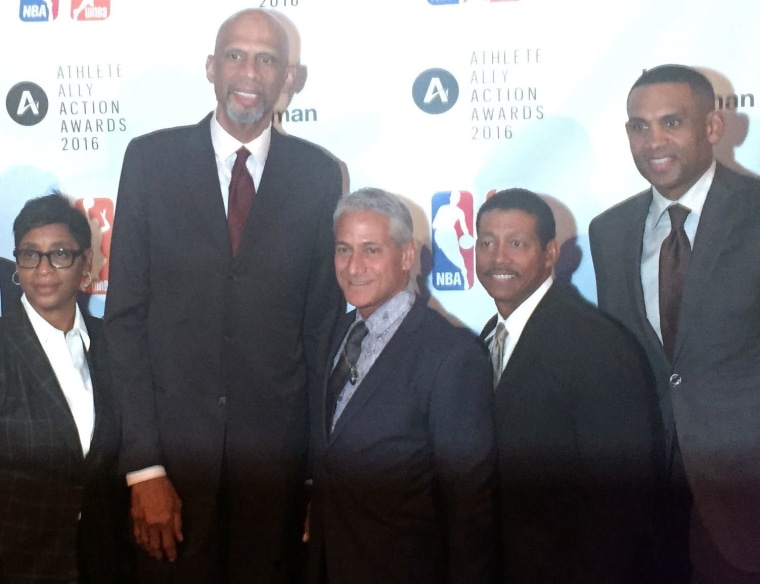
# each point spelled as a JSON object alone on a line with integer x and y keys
{"x": 404, "y": 485}
{"x": 213, "y": 353}
{"x": 710, "y": 393}
{"x": 579, "y": 438}
{"x": 45, "y": 481}
{"x": 9, "y": 292}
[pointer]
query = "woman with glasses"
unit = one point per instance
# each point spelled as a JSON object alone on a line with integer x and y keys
{"x": 62, "y": 506}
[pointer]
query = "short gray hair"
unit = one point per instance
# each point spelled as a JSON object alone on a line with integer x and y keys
{"x": 401, "y": 227}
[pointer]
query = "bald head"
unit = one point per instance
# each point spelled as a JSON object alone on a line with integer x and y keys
{"x": 249, "y": 70}
{"x": 255, "y": 18}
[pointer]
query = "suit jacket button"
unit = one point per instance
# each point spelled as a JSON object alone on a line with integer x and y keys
{"x": 675, "y": 380}
{"x": 222, "y": 401}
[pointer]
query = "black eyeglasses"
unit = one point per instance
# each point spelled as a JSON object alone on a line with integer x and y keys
{"x": 58, "y": 258}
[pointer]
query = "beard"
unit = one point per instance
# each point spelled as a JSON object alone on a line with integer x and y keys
{"x": 246, "y": 115}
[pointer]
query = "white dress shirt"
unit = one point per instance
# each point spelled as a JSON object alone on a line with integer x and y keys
{"x": 66, "y": 354}
{"x": 225, "y": 151}
{"x": 515, "y": 322}
{"x": 657, "y": 228}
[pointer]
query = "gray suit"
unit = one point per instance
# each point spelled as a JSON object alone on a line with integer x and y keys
{"x": 710, "y": 393}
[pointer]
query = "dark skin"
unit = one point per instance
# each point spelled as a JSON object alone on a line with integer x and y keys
{"x": 52, "y": 292}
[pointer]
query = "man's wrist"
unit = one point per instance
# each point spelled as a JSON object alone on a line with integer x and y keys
{"x": 145, "y": 474}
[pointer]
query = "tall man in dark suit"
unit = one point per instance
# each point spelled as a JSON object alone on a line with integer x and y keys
{"x": 404, "y": 456}
{"x": 577, "y": 426}
{"x": 219, "y": 318}
{"x": 9, "y": 290}
{"x": 704, "y": 341}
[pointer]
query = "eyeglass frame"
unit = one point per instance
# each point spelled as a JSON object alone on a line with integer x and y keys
{"x": 74, "y": 255}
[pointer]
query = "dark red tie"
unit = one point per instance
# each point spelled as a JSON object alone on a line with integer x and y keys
{"x": 674, "y": 261}
{"x": 241, "y": 197}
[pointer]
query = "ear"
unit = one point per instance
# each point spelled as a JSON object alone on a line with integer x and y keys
{"x": 551, "y": 254}
{"x": 290, "y": 77}
{"x": 210, "y": 68}
{"x": 87, "y": 267}
{"x": 299, "y": 77}
{"x": 716, "y": 125}
{"x": 408, "y": 255}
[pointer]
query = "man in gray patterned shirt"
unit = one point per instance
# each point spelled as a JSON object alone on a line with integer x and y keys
{"x": 403, "y": 444}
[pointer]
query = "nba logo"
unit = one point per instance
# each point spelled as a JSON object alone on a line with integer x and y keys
{"x": 38, "y": 10}
{"x": 453, "y": 241}
{"x": 99, "y": 213}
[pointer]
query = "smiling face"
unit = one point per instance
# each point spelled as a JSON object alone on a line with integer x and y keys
{"x": 52, "y": 292}
{"x": 370, "y": 266}
{"x": 671, "y": 133}
{"x": 249, "y": 70}
{"x": 510, "y": 262}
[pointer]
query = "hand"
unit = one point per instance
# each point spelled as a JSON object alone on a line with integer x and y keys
{"x": 157, "y": 517}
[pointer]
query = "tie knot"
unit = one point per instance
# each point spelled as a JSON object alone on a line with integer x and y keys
{"x": 678, "y": 214}
{"x": 500, "y": 334}
{"x": 242, "y": 155}
{"x": 357, "y": 334}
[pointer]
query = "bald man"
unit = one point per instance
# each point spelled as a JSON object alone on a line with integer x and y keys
{"x": 221, "y": 295}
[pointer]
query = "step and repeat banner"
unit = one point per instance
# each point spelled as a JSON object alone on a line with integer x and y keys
{"x": 439, "y": 101}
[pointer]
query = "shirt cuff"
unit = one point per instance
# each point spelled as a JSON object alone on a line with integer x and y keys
{"x": 145, "y": 474}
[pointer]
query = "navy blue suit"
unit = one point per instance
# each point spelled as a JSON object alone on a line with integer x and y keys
{"x": 405, "y": 483}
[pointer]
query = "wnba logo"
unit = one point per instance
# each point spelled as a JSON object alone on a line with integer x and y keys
{"x": 453, "y": 241}
{"x": 90, "y": 9}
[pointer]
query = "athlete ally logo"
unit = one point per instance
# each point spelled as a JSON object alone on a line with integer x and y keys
{"x": 453, "y": 241}
{"x": 27, "y": 103}
{"x": 99, "y": 213}
{"x": 90, "y": 9}
{"x": 435, "y": 91}
{"x": 38, "y": 10}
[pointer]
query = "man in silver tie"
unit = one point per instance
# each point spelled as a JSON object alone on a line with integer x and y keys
{"x": 577, "y": 426}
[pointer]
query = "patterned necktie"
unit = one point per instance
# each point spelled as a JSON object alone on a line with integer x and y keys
{"x": 497, "y": 352}
{"x": 345, "y": 369}
{"x": 241, "y": 197}
{"x": 674, "y": 261}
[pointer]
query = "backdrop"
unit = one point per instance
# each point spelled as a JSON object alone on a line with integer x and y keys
{"x": 439, "y": 101}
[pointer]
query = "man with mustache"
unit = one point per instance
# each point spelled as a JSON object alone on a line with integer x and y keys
{"x": 222, "y": 296}
{"x": 678, "y": 265}
{"x": 578, "y": 431}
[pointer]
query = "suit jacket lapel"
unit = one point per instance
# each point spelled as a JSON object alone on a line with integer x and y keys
{"x": 22, "y": 337}
{"x": 271, "y": 194}
{"x": 201, "y": 183}
{"x": 400, "y": 345}
{"x": 488, "y": 329}
{"x": 718, "y": 219}
{"x": 341, "y": 328}
{"x": 633, "y": 238}
{"x": 535, "y": 333}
